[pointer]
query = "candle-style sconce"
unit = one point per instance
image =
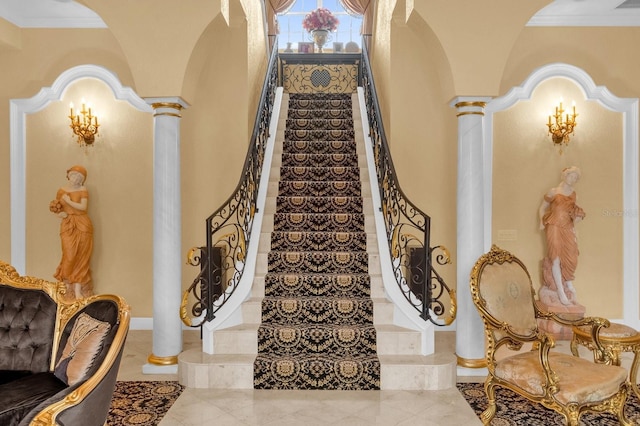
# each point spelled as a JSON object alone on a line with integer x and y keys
{"x": 84, "y": 124}
{"x": 562, "y": 125}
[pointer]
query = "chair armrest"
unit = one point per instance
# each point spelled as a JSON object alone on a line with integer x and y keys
{"x": 601, "y": 355}
{"x": 551, "y": 378}
{"x": 88, "y": 401}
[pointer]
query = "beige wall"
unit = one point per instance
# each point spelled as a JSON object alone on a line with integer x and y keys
{"x": 526, "y": 165}
{"x": 421, "y": 61}
{"x": 120, "y": 188}
{"x": 420, "y": 65}
{"x": 219, "y": 83}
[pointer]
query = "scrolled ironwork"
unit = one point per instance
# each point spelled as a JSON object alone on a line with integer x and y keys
{"x": 228, "y": 229}
{"x": 407, "y": 226}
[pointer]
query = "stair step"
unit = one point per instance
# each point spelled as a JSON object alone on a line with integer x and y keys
{"x": 319, "y": 113}
{"x": 320, "y": 103}
{"x": 394, "y": 340}
{"x": 322, "y": 241}
{"x": 339, "y": 340}
{"x": 319, "y": 147}
{"x": 197, "y": 369}
{"x": 397, "y": 372}
{"x": 317, "y": 372}
{"x": 303, "y": 188}
{"x": 318, "y": 262}
{"x": 319, "y": 135}
{"x": 305, "y": 204}
{"x": 320, "y": 123}
{"x": 239, "y": 339}
{"x": 319, "y": 160}
{"x": 314, "y": 284}
{"x": 416, "y": 372}
{"x": 317, "y": 310}
{"x": 338, "y": 222}
{"x": 306, "y": 173}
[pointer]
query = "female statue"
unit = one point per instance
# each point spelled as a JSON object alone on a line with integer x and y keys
{"x": 558, "y": 214}
{"x": 76, "y": 234}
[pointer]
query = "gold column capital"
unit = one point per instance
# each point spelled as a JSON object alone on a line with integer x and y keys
{"x": 470, "y": 105}
{"x": 168, "y": 106}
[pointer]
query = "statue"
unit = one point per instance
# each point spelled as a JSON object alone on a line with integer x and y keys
{"x": 558, "y": 215}
{"x": 76, "y": 234}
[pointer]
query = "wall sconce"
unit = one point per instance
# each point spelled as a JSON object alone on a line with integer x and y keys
{"x": 561, "y": 126}
{"x": 84, "y": 125}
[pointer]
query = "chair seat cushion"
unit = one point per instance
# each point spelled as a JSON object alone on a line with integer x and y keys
{"x": 20, "y": 396}
{"x": 579, "y": 380}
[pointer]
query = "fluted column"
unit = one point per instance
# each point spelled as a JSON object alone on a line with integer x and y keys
{"x": 167, "y": 244}
{"x": 470, "y": 347}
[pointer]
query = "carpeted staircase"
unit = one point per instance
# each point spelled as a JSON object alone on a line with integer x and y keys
{"x": 317, "y": 314}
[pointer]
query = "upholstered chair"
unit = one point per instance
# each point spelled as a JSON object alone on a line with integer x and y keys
{"x": 59, "y": 360}
{"x": 520, "y": 357}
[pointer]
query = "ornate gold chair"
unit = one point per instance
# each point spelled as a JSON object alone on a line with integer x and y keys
{"x": 518, "y": 353}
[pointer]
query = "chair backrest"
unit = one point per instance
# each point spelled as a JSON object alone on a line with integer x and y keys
{"x": 28, "y": 320}
{"x": 502, "y": 291}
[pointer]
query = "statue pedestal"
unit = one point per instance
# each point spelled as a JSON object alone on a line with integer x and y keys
{"x": 549, "y": 302}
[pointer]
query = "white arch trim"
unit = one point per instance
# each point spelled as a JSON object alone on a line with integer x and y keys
{"x": 18, "y": 109}
{"x": 629, "y": 109}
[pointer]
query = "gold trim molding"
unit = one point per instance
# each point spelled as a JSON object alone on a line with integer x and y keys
{"x": 170, "y": 105}
{"x": 173, "y": 105}
{"x": 471, "y": 363}
{"x": 480, "y": 104}
{"x": 171, "y": 114}
{"x": 469, "y": 112}
{"x": 162, "y": 360}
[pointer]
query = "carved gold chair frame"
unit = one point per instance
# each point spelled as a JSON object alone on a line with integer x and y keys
{"x": 519, "y": 355}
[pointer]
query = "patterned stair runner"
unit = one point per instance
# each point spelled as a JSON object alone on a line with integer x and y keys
{"x": 317, "y": 315}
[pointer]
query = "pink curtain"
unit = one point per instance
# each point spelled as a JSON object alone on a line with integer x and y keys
{"x": 360, "y": 7}
{"x": 274, "y": 7}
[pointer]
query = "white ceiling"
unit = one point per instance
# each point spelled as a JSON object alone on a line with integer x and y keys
{"x": 69, "y": 14}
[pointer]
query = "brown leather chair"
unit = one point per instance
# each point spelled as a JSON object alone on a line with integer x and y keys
{"x": 58, "y": 360}
{"x": 519, "y": 355}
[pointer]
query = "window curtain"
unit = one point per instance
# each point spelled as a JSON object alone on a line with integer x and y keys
{"x": 273, "y": 8}
{"x": 360, "y": 7}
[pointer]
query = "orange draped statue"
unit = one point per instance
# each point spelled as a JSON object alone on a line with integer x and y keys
{"x": 558, "y": 215}
{"x": 76, "y": 234}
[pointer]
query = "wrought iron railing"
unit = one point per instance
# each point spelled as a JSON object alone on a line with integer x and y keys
{"x": 408, "y": 227}
{"x": 222, "y": 259}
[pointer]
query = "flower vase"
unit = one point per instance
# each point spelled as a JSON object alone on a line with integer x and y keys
{"x": 320, "y": 37}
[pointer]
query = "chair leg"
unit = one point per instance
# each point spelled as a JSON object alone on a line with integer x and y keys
{"x": 490, "y": 390}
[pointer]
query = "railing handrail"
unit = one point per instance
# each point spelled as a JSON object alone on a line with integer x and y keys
{"x": 376, "y": 107}
{"x": 228, "y": 229}
{"x": 402, "y": 242}
{"x": 254, "y": 134}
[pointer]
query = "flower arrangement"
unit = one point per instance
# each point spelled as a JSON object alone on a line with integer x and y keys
{"x": 55, "y": 206}
{"x": 320, "y": 19}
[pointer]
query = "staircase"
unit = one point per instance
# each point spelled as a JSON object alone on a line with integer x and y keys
{"x": 318, "y": 317}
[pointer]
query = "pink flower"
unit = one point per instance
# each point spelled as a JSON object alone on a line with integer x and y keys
{"x": 320, "y": 19}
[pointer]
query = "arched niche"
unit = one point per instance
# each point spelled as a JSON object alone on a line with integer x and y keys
{"x": 19, "y": 109}
{"x": 628, "y": 109}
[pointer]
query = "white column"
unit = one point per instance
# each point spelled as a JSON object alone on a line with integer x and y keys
{"x": 167, "y": 244}
{"x": 470, "y": 346}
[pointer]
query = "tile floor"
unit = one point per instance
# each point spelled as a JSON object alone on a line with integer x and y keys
{"x": 230, "y": 407}
{"x": 310, "y": 408}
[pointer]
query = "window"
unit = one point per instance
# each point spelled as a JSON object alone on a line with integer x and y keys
{"x": 291, "y": 30}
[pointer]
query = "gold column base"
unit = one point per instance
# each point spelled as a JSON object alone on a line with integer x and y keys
{"x": 471, "y": 363}
{"x": 162, "y": 360}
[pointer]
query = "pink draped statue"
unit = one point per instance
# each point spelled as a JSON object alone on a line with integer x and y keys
{"x": 76, "y": 234}
{"x": 558, "y": 214}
